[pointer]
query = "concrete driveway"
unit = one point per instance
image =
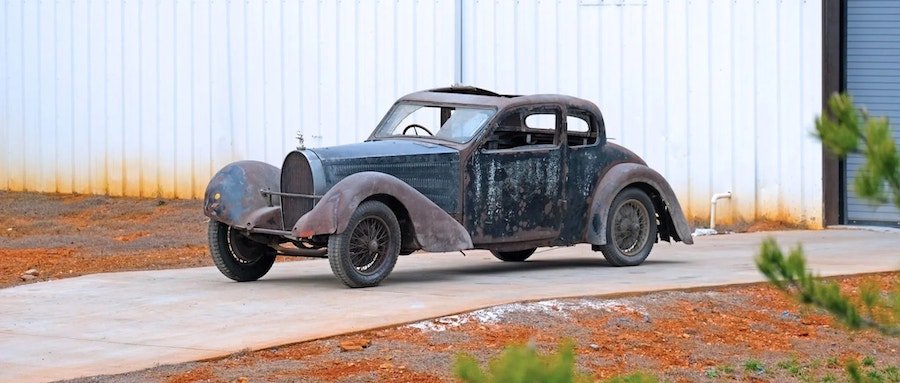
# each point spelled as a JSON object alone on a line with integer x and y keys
{"x": 117, "y": 322}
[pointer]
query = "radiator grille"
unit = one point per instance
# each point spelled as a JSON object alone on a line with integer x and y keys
{"x": 296, "y": 177}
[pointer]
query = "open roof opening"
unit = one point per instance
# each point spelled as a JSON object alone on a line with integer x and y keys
{"x": 465, "y": 89}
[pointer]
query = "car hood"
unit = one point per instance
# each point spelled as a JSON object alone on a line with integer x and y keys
{"x": 431, "y": 169}
{"x": 379, "y": 149}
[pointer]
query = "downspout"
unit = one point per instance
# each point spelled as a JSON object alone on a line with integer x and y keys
{"x": 712, "y": 208}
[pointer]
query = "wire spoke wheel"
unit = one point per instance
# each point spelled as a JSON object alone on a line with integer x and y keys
{"x": 244, "y": 250}
{"x": 368, "y": 245}
{"x": 237, "y": 256}
{"x": 365, "y": 253}
{"x": 631, "y": 228}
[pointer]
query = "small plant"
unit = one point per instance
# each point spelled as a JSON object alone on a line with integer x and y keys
{"x": 832, "y": 362}
{"x": 815, "y": 364}
{"x": 868, "y": 361}
{"x": 712, "y": 372}
{"x": 865, "y": 372}
{"x": 635, "y": 377}
{"x": 792, "y": 366}
{"x": 874, "y": 376}
{"x": 523, "y": 363}
{"x": 754, "y": 366}
{"x": 829, "y": 378}
{"x": 726, "y": 368}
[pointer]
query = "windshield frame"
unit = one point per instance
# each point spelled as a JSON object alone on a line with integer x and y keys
{"x": 374, "y": 136}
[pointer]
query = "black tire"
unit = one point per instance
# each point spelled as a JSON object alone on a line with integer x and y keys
{"x": 630, "y": 228}
{"x": 513, "y": 256}
{"x": 236, "y": 256}
{"x": 366, "y": 252}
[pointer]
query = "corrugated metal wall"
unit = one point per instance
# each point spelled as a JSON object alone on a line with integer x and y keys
{"x": 143, "y": 97}
{"x": 873, "y": 79}
{"x": 716, "y": 95}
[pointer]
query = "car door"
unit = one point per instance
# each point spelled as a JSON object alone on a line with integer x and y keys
{"x": 516, "y": 178}
{"x": 585, "y": 161}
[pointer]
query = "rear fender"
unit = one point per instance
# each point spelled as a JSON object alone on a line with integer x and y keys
{"x": 435, "y": 230}
{"x": 232, "y": 196}
{"x": 672, "y": 222}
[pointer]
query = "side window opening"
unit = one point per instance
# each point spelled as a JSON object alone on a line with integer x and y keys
{"x": 525, "y": 128}
{"x": 579, "y": 130}
{"x": 542, "y": 121}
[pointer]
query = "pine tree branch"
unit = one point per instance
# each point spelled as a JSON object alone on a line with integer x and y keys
{"x": 789, "y": 274}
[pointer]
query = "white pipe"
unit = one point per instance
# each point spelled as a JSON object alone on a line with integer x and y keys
{"x": 712, "y": 207}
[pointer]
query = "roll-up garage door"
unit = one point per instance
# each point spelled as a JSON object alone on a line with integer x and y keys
{"x": 873, "y": 79}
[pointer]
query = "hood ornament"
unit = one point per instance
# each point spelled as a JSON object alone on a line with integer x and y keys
{"x": 300, "y": 144}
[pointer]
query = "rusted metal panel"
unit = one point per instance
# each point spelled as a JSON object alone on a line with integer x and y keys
{"x": 586, "y": 167}
{"x": 435, "y": 230}
{"x": 233, "y": 195}
{"x": 630, "y": 174}
{"x": 515, "y": 195}
{"x": 431, "y": 169}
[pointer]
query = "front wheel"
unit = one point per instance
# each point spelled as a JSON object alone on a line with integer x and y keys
{"x": 366, "y": 252}
{"x": 237, "y": 256}
{"x": 630, "y": 228}
{"x": 513, "y": 256}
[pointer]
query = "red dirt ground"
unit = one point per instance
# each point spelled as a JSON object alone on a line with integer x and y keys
{"x": 69, "y": 235}
{"x": 680, "y": 336}
{"x": 709, "y": 335}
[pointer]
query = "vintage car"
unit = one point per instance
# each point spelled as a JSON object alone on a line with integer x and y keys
{"x": 447, "y": 169}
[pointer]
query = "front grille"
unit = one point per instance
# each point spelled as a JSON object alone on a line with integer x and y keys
{"x": 296, "y": 177}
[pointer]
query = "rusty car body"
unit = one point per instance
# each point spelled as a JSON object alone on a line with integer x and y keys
{"x": 479, "y": 171}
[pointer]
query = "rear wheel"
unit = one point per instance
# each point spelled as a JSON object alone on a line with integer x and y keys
{"x": 366, "y": 252}
{"x": 513, "y": 256}
{"x": 237, "y": 256}
{"x": 630, "y": 228}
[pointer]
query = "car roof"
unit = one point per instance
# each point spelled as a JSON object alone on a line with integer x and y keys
{"x": 469, "y": 95}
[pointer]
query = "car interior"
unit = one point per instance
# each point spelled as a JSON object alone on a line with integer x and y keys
{"x": 519, "y": 129}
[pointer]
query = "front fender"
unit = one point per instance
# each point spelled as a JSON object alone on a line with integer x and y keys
{"x": 435, "y": 230}
{"x": 232, "y": 196}
{"x": 627, "y": 174}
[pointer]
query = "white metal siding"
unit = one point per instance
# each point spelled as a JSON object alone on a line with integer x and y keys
{"x": 148, "y": 98}
{"x": 873, "y": 79}
{"x": 716, "y": 95}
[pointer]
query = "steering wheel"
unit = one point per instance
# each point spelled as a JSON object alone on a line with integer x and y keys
{"x": 416, "y": 127}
